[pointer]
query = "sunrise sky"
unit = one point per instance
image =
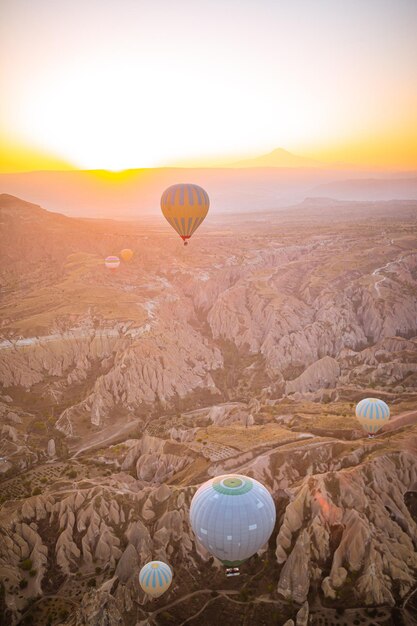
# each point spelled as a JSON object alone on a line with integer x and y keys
{"x": 120, "y": 84}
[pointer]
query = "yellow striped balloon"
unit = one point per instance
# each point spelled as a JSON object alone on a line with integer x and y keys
{"x": 372, "y": 414}
{"x": 155, "y": 578}
{"x": 185, "y": 206}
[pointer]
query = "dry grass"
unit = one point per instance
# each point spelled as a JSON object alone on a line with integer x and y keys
{"x": 241, "y": 438}
{"x": 330, "y": 421}
{"x": 286, "y": 407}
{"x": 35, "y": 311}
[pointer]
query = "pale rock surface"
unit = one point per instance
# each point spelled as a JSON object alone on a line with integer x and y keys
{"x": 172, "y": 361}
{"x": 55, "y": 356}
{"x": 302, "y": 615}
{"x": 156, "y": 459}
{"x": 128, "y": 564}
{"x": 321, "y": 374}
{"x": 357, "y": 516}
{"x": 294, "y": 581}
{"x": 14, "y": 418}
{"x": 10, "y": 432}
{"x": 98, "y": 608}
{"x": 182, "y": 435}
{"x": 268, "y": 318}
{"x": 138, "y": 535}
{"x": 51, "y": 448}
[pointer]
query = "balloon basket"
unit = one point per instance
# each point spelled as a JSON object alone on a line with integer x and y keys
{"x": 232, "y": 571}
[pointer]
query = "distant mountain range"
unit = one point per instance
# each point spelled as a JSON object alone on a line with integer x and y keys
{"x": 273, "y": 181}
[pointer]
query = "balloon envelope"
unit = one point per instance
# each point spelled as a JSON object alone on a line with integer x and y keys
{"x": 185, "y": 206}
{"x": 372, "y": 414}
{"x": 126, "y": 254}
{"x": 155, "y": 578}
{"x": 233, "y": 516}
{"x": 112, "y": 262}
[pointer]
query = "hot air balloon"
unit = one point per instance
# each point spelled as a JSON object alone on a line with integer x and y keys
{"x": 233, "y": 516}
{"x": 185, "y": 206}
{"x": 112, "y": 262}
{"x": 126, "y": 254}
{"x": 372, "y": 414}
{"x": 155, "y": 578}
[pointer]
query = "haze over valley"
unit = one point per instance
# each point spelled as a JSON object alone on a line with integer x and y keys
{"x": 268, "y": 182}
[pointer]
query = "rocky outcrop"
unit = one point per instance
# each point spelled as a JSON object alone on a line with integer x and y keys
{"x": 51, "y": 448}
{"x": 107, "y": 527}
{"x": 294, "y": 581}
{"x": 156, "y": 460}
{"x": 226, "y": 414}
{"x": 277, "y": 314}
{"x": 358, "y": 519}
{"x": 302, "y": 615}
{"x": 321, "y": 374}
{"x": 98, "y": 608}
{"x": 389, "y": 362}
{"x": 127, "y": 564}
{"x": 172, "y": 362}
{"x": 61, "y": 355}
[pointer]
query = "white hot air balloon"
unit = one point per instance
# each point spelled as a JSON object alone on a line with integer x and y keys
{"x": 233, "y": 516}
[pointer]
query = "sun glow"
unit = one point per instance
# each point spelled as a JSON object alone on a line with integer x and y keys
{"x": 141, "y": 84}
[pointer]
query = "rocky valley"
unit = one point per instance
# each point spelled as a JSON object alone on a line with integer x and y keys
{"x": 122, "y": 391}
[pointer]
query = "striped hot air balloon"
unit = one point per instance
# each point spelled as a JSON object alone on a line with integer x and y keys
{"x": 185, "y": 206}
{"x": 155, "y": 578}
{"x": 112, "y": 262}
{"x": 372, "y": 414}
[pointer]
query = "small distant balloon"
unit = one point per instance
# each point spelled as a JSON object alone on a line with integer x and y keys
{"x": 112, "y": 262}
{"x": 372, "y": 414}
{"x": 126, "y": 254}
{"x": 185, "y": 207}
{"x": 155, "y": 578}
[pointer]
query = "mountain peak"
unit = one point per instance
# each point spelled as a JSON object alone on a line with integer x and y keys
{"x": 280, "y": 151}
{"x": 278, "y": 158}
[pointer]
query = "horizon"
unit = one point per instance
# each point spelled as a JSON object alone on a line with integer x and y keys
{"x": 239, "y": 164}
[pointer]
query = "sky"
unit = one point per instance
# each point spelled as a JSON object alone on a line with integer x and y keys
{"x": 116, "y": 84}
